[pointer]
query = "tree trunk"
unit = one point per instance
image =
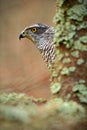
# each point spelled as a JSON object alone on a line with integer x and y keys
{"x": 69, "y": 72}
{"x": 68, "y": 109}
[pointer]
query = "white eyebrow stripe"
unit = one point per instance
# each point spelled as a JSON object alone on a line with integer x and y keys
{"x": 34, "y": 25}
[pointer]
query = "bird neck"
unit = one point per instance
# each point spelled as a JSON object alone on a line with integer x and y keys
{"x": 48, "y": 54}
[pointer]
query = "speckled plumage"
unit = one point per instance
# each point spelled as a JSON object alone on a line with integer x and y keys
{"x": 42, "y": 37}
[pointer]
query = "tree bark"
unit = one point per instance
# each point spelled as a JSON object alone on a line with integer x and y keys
{"x": 69, "y": 72}
{"x": 68, "y": 109}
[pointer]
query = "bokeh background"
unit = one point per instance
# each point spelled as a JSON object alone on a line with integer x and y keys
{"x": 22, "y": 69}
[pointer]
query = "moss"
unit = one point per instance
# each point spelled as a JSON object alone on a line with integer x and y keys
{"x": 80, "y": 61}
{"x": 55, "y": 88}
{"x": 81, "y": 92}
{"x": 75, "y": 54}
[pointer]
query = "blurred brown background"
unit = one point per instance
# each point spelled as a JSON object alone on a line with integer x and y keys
{"x": 21, "y": 66}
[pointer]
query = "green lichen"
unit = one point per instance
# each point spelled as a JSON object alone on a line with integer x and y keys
{"x": 14, "y": 113}
{"x": 4, "y": 98}
{"x": 81, "y": 92}
{"x": 80, "y": 1}
{"x": 54, "y": 73}
{"x": 59, "y": 78}
{"x": 77, "y": 12}
{"x": 65, "y": 30}
{"x": 71, "y": 108}
{"x": 69, "y": 20}
{"x": 55, "y": 88}
{"x": 72, "y": 68}
{"x": 59, "y": 56}
{"x": 68, "y": 96}
{"x": 82, "y": 25}
{"x": 78, "y": 45}
{"x": 60, "y": 16}
{"x": 67, "y": 71}
{"x": 60, "y": 27}
{"x": 66, "y": 54}
{"x": 66, "y": 60}
{"x": 83, "y": 39}
{"x": 39, "y": 100}
{"x": 81, "y": 81}
{"x": 75, "y": 54}
{"x": 67, "y": 108}
{"x": 57, "y": 52}
{"x": 14, "y": 98}
{"x": 80, "y": 61}
{"x": 60, "y": 3}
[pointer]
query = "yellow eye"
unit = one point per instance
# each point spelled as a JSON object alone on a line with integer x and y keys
{"x": 34, "y": 30}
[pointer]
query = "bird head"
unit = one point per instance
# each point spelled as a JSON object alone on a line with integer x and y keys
{"x": 42, "y": 36}
{"x": 34, "y": 32}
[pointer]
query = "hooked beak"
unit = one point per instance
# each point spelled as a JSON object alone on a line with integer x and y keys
{"x": 24, "y": 35}
{"x": 21, "y": 36}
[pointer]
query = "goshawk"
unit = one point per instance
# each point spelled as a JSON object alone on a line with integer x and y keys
{"x": 42, "y": 36}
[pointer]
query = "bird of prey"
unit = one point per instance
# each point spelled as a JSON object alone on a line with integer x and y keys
{"x": 42, "y": 36}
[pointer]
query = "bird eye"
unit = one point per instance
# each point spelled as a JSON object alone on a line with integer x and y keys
{"x": 34, "y": 30}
